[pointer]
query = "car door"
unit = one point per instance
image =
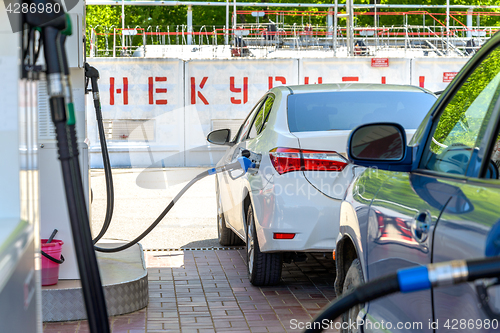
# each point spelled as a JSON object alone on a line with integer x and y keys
{"x": 232, "y": 180}
{"x": 250, "y": 142}
{"x": 227, "y": 185}
{"x": 399, "y": 235}
{"x": 463, "y": 155}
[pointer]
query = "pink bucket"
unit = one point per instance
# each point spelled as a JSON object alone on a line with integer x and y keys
{"x": 51, "y": 259}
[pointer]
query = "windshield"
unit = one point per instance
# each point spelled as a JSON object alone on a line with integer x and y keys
{"x": 345, "y": 110}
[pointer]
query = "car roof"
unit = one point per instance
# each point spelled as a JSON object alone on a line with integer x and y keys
{"x": 310, "y": 88}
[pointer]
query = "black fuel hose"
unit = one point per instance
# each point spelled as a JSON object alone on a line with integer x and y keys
{"x": 170, "y": 206}
{"x": 409, "y": 280}
{"x": 54, "y": 54}
{"x": 364, "y": 293}
{"x": 156, "y": 221}
{"x": 93, "y": 75}
{"x": 483, "y": 268}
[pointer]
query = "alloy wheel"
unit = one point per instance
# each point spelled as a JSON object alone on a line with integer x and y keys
{"x": 219, "y": 217}
{"x": 250, "y": 246}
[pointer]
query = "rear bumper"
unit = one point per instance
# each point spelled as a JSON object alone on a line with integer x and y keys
{"x": 289, "y": 204}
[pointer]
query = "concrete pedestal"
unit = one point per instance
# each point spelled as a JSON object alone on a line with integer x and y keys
{"x": 124, "y": 278}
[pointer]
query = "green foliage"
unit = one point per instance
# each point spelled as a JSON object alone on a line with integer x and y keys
{"x": 104, "y": 18}
{"x": 368, "y": 184}
{"x": 263, "y": 114}
{"x": 462, "y": 120}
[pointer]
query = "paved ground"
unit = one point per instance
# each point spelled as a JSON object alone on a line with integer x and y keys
{"x": 142, "y": 194}
{"x": 208, "y": 291}
{"x": 199, "y": 291}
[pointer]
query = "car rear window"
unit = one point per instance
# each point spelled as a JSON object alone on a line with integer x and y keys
{"x": 345, "y": 110}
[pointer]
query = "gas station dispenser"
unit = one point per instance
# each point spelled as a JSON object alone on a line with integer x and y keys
{"x": 20, "y": 292}
{"x": 53, "y": 210}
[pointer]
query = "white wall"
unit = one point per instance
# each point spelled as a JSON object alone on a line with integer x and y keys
{"x": 199, "y": 92}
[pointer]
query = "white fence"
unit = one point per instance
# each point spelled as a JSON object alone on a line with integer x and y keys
{"x": 158, "y": 112}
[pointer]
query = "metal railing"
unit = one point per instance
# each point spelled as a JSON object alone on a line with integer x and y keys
{"x": 260, "y": 39}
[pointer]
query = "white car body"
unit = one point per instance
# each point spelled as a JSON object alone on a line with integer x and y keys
{"x": 303, "y": 203}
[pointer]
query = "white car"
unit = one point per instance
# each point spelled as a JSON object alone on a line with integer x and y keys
{"x": 292, "y": 203}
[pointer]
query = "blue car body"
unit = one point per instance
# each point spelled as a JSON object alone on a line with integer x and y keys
{"x": 439, "y": 201}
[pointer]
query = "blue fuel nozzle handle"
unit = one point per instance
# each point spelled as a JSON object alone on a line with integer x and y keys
{"x": 246, "y": 163}
{"x": 241, "y": 163}
{"x": 414, "y": 279}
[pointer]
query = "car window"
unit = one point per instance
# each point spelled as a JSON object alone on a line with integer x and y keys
{"x": 493, "y": 168}
{"x": 262, "y": 118}
{"x": 461, "y": 126}
{"x": 345, "y": 110}
{"x": 257, "y": 123}
{"x": 243, "y": 132}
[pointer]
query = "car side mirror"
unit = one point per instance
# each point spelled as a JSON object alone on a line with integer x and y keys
{"x": 380, "y": 145}
{"x": 220, "y": 137}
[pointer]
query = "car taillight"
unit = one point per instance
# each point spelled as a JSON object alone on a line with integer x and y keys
{"x": 323, "y": 161}
{"x": 283, "y": 235}
{"x": 289, "y": 159}
{"x": 285, "y": 159}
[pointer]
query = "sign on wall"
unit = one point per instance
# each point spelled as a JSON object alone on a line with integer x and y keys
{"x": 148, "y": 92}
{"x": 338, "y": 70}
{"x": 435, "y": 73}
{"x": 159, "y": 111}
{"x": 226, "y": 89}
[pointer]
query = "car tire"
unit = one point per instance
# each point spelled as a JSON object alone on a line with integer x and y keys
{"x": 226, "y": 236}
{"x": 353, "y": 279}
{"x": 264, "y": 269}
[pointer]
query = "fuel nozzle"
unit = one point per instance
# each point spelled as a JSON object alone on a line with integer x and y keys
{"x": 253, "y": 157}
{"x": 92, "y": 74}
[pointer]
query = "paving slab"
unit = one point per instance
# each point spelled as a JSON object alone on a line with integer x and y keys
{"x": 198, "y": 290}
{"x": 209, "y": 291}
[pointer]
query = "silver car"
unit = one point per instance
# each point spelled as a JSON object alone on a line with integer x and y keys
{"x": 292, "y": 203}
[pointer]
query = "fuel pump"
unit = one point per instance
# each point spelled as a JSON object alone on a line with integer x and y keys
{"x": 53, "y": 27}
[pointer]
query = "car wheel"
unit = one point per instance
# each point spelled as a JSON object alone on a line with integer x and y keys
{"x": 264, "y": 269}
{"x": 353, "y": 278}
{"x": 227, "y": 237}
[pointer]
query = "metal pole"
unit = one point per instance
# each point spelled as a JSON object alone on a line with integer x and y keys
{"x": 295, "y": 41}
{"x": 123, "y": 15}
{"x": 447, "y": 26}
{"x": 234, "y": 23}
{"x": 350, "y": 39}
{"x": 93, "y": 43}
{"x": 189, "y": 25}
{"x": 144, "y": 42}
{"x": 114, "y": 42}
{"x": 469, "y": 23}
{"x": 124, "y": 42}
{"x": 329, "y": 21}
{"x": 376, "y": 26}
{"x": 226, "y": 34}
{"x": 406, "y": 32}
{"x": 335, "y": 28}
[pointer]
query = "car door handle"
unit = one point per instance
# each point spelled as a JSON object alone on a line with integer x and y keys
{"x": 420, "y": 226}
